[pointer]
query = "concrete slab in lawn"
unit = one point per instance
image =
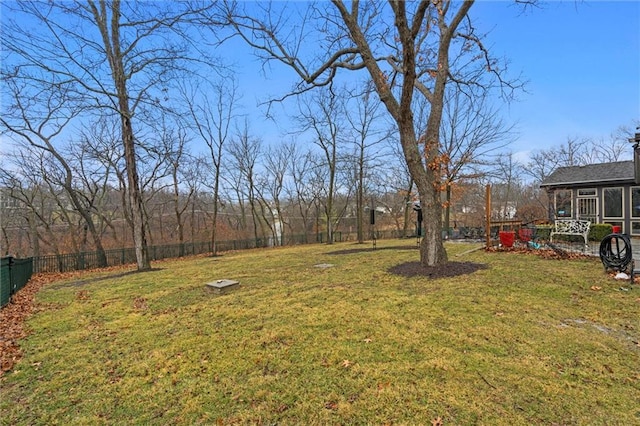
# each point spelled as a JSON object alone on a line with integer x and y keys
{"x": 221, "y": 286}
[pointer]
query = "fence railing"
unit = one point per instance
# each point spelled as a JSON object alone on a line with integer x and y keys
{"x": 89, "y": 260}
{"x": 14, "y": 274}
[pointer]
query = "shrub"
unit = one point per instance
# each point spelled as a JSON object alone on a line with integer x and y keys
{"x": 599, "y": 230}
{"x": 543, "y": 231}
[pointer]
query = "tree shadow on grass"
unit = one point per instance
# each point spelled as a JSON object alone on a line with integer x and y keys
{"x": 371, "y": 249}
{"x": 447, "y": 270}
{"x": 81, "y": 283}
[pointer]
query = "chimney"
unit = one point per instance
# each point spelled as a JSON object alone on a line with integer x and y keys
{"x": 636, "y": 157}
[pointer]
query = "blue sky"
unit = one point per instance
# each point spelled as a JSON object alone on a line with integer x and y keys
{"x": 581, "y": 61}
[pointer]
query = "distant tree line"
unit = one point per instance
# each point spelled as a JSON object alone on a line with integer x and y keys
{"x": 126, "y": 130}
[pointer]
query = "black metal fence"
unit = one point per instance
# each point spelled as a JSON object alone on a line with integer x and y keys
{"x": 14, "y": 274}
{"x": 89, "y": 260}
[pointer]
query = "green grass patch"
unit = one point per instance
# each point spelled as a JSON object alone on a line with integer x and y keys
{"x": 525, "y": 341}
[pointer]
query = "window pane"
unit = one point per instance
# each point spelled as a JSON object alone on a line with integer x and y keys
{"x": 613, "y": 202}
{"x": 563, "y": 203}
{"x": 586, "y": 192}
{"x": 635, "y": 202}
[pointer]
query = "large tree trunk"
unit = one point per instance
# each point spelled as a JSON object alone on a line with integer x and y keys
{"x": 214, "y": 223}
{"x": 135, "y": 198}
{"x": 360, "y": 199}
{"x": 429, "y": 186}
{"x": 432, "y": 251}
{"x": 115, "y": 57}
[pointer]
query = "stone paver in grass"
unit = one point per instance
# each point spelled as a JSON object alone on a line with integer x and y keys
{"x": 221, "y": 286}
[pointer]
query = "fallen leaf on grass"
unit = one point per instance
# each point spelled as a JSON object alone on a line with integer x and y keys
{"x": 331, "y": 405}
{"x": 596, "y": 288}
{"x": 140, "y": 304}
{"x": 384, "y": 385}
{"x": 82, "y": 295}
{"x": 346, "y": 363}
{"x": 13, "y": 315}
{"x": 437, "y": 422}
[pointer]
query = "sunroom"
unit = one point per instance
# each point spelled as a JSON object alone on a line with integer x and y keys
{"x": 600, "y": 193}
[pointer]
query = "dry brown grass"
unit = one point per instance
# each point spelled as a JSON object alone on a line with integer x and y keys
{"x": 524, "y": 340}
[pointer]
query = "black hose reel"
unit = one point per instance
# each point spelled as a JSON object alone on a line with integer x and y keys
{"x": 616, "y": 255}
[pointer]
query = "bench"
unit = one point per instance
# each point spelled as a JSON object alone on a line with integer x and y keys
{"x": 571, "y": 227}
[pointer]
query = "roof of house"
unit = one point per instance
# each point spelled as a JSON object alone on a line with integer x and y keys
{"x": 621, "y": 171}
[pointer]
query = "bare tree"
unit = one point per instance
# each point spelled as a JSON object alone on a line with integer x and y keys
{"x": 37, "y": 124}
{"x": 154, "y": 156}
{"x": 396, "y": 193}
{"x": 363, "y": 117}
{"x": 404, "y": 48}
{"x": 300, "y": 188}
{"x": 97, "y": 178}
{"x": 183, "y": 181}
{"x": 115, "y": 57}
{"x": 472, "y": 133}
{"x": 244, "y": 151}
{"x": 26, "y": 185}
{"x": 211, "y": 114}
{"x": 320, "y": 114}
{"x": 577, "y": 151}
{"x": 612, "y": 149}
{"x": 506, "y": 190}
{"x": 542, "y": 163}
{"x": 271, "y": 189}
{"x": 100, "y": 144}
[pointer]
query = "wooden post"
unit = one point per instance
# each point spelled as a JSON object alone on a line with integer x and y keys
{"x": 488, "y": 214}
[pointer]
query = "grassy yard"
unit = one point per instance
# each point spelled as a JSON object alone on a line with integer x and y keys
{"x": 526, "y": 340}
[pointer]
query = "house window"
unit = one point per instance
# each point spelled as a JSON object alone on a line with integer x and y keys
{"x": 591, "y": 192}
{"x": 635, "y": 202}
{"x": 613, "y": 202}
{"x": 635, "y": 228}
{"x": 564, "y": 203}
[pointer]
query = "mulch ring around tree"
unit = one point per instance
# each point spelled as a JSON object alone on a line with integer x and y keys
{"x": 447, "y": 270}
